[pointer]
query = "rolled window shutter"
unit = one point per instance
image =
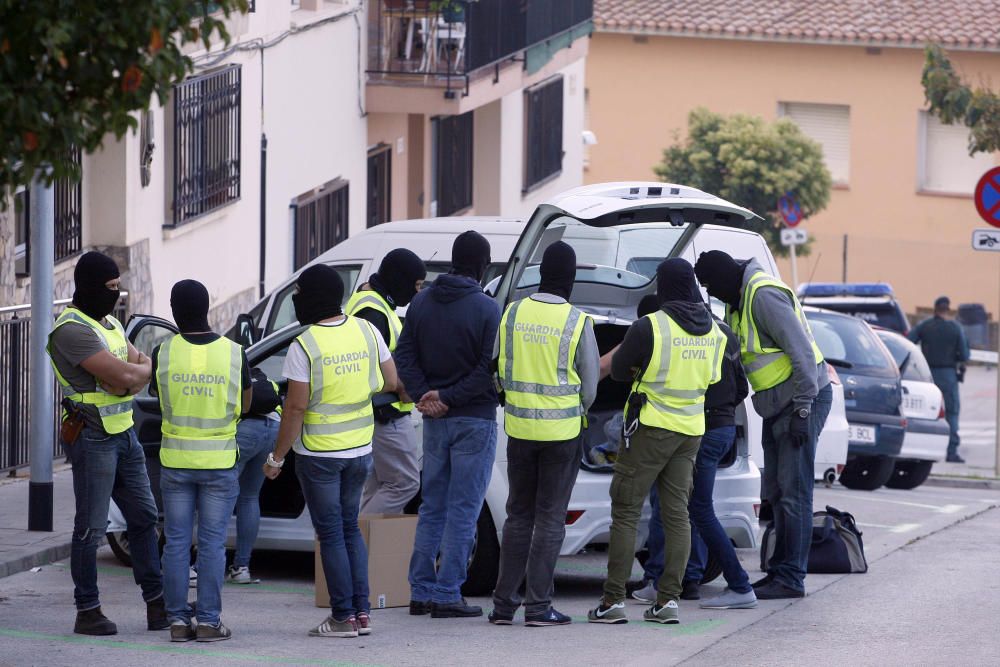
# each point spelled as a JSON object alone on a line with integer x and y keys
{"x": 947, "y": 165}
{"x": 830, "y": 126}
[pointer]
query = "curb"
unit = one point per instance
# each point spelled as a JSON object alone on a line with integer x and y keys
{"x": 963, "y": 483}
{"x": 44, "y": 556}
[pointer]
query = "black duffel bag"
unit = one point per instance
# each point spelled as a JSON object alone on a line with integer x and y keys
{"x": 836, "y": 547}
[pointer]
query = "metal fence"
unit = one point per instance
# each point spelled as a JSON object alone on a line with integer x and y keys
{"x": 15, "y": 352}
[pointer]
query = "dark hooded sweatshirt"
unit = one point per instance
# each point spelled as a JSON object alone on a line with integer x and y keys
{"x": 447, "y": 344}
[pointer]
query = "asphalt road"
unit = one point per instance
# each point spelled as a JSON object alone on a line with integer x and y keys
{"x": 928, "y": 598}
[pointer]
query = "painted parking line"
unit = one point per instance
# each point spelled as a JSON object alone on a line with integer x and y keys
{"x": 941, "y": 509}
{"x": 895, "y": 528}
{"x": 190, "y": 652}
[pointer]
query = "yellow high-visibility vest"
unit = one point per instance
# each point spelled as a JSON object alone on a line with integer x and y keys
{"x": 538, "y": 343}
{"x": 680, "y": 369}
{"x": 372, "y": 299}
{"x": 344, "y": 375}
{"x": 201, "y": 398}
{"x": 115, "y": 411}
{"x": 766, "y": 367}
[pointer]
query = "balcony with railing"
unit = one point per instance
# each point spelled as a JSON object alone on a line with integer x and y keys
{"x": 446, "y": 43}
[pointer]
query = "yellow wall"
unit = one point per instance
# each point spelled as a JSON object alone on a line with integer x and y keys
{"x": 641, "y": 93}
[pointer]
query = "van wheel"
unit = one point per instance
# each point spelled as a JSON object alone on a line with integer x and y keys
{"x": 484, "y": 562}
{"x": 909, "y": 474}
{"x": 867, "y": 473}
{"x": 713, "y": 568}
{"x": 121, "y": 547}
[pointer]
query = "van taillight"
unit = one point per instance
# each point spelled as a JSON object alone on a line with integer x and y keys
{"x": 832, "y": 372}
{"x": 941, "y": 411}
{"x": 573, "y": 515}
{"x": 840, "y": 469}
{"x": 756, "y": 510}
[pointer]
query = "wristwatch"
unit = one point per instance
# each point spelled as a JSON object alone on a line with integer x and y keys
{"x": 272, "y": 462}
{"x": 803, "y": 413}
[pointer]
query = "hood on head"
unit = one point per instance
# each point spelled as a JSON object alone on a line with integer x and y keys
{"x": 470, "y": 255}
{"x": 189, "y": 304}
{"x": 320, "y": 295}
{"x": 558, "y": 270}
{"x": 721, "y": 275}
{"x": 675, "y": 281}
{"x": 91, "y": 295}
{"x": 397, "y": 276}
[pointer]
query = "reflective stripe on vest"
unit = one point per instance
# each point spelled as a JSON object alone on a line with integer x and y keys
{"x": 538, "y": 346}
{"x": 115, "y": 411}
{"x": 680, "y": 369}
{"x": 766, "y": 367}
{"x": 371, "y": 299}
{"x": 201, "y": 398}
{"x": 344, "y": 375}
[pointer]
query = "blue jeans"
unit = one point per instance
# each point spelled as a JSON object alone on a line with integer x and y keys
{"x": 332, "y": 489}
{"x": 712, "y": 538}
{"x": 787, "y": 484}
{"x": 211, "y": 494}
{"x": 255, "y": 437}
{"x": 946, "y": 380}
{"x": 458, "y": 462}
{"x": 105, "y": 467}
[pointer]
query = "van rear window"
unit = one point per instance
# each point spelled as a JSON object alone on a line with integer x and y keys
{"x": 885, "y": 315}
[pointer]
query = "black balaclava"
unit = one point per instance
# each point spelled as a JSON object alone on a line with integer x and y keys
{"x": 397, "y": 276}
{"x": 91, "y": 295}
{"x": 649, "y": 304}
{"x": 558, "y": 270}
{"x": 189, "y": 304}
{"x": 721, "y": 275}
{"x": 321, "y": 292}
{"x": 675, "y": 281}
{"x": 470, "y": 255}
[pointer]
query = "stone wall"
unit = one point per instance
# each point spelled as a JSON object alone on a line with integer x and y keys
{"x": 7, "y": 255}
{"x": 223, "y": 316}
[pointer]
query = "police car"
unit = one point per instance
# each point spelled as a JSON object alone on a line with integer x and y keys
{"x": 875, "y": 303}
{"x": 620, "y": 232}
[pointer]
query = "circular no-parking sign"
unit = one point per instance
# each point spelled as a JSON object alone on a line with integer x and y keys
{"x": 988, "y": 197}
{"x": 790, "y": 210}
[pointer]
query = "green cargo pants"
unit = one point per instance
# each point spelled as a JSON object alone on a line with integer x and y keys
{"x": 666, "y": 458}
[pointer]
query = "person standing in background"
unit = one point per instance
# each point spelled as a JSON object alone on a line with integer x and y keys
{"x": 395, "y": 477}
{"x": 944, "y": 344}
{"x": 99, "y": 372}
{"x": 444, "y": 355}
{"x": 548, "y": 367}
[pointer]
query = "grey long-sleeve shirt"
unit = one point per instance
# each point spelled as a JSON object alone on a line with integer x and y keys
{"x": 587, "y": 361}
{"x": 779, "y": 326}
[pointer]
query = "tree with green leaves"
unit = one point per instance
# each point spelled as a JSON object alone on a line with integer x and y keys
{"x": 75, "y": 71}
{"x": 751, "y": 162}
{"x": 953, "y": 101}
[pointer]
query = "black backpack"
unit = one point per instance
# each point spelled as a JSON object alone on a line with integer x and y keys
{"x": 836, "y": 548}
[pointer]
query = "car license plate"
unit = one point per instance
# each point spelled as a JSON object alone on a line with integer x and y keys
{"x": 865, "y": 434}
{"x": 913, "y": 402}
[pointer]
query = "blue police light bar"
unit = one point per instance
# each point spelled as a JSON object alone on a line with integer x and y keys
{"x": 845, "y": 289}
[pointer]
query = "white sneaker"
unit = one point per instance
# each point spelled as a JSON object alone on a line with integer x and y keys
{"x": 240, "y": 575}
{"x": 192, "y": 578}
{"x": 730, "y": 599}
{"x": 646, "y": 594}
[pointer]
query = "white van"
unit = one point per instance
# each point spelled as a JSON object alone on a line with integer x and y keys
{"x": 620, "y": 231}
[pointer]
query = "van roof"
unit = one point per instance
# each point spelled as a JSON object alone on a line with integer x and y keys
{"x": 481, "y": 223}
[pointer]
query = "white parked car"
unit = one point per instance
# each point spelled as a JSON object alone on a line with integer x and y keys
{"x": 620, "y": 231}
{"x": 927, "y": 432}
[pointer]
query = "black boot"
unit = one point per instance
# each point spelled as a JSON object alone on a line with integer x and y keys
{"x": 93, "y": 622}
{"x": 156, "y": 615}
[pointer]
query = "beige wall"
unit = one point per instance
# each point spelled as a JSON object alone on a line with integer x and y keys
{"x": 392, "y": 129}
{"x": 641, "y": 93}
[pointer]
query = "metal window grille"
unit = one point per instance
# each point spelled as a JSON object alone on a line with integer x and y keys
{"x": 454, "y": 163}
{"x": 320, "y": 219}
{"x": 543, "y": 135}
{"x": 68, "y": 231}
{"x": 207, "y": 134}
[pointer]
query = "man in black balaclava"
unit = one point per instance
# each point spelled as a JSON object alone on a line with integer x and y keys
{"x": 792, "y": 396}
{"x": 98, "y": 368}
{"x": 664, "y": 422}
{"x": 395, "y": 475}
{"x": 470, "y": 255}
{"x": 320, "y": 294}
{"x": 190, "y": 475}
{"x": 443, "y": 358}
{"x": 542, "y": 451}
{"x": 92, "y": 275}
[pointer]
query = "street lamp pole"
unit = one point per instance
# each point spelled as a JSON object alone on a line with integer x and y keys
{"x": 42, "y": 260}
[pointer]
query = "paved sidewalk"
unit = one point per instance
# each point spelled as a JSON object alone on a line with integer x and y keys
{"x": 22, "y": 549}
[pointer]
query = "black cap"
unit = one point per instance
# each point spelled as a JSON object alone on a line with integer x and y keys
{"x": 942, "y": 303}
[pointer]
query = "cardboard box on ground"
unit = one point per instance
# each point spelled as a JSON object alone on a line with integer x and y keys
{"x": 389, "y": 538}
